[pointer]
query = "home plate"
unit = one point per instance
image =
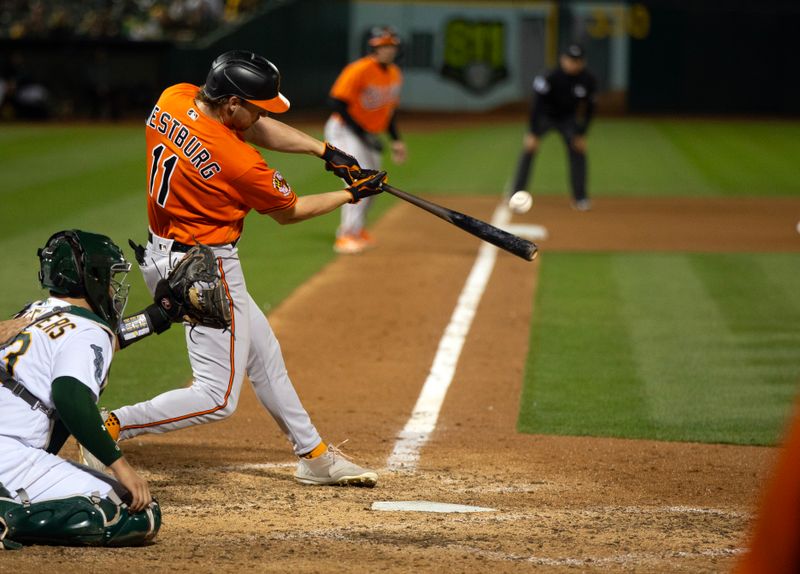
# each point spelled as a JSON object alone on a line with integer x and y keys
{"x": 426, "y": 506}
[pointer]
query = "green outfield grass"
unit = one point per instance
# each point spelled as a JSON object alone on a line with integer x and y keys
{"x": 694, "y": 347}
{"x": 627, "y": 157}
{"x": 92, "y": 177}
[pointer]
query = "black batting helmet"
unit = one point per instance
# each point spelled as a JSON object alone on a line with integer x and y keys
{"x": 248, "y": 76}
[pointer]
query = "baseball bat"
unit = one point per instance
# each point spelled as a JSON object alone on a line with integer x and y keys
{"x": 503, "y": 239}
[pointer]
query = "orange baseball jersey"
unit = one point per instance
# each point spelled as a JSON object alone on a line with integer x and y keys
{"x": 371, "y": 90}
{"x": 202, "y": 177}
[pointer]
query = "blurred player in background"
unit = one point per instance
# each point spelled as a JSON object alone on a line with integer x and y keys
{"x": 564, "y": 100}
{"x": 364, "y": 99}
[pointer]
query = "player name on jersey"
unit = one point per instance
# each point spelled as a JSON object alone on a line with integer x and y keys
{"x": 182, "y": 137}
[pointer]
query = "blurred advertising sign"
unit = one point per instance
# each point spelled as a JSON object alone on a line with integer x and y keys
{"x": 480, "y": 55}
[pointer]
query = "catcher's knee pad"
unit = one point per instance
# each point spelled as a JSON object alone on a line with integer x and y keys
{"x": 77, "y": 521}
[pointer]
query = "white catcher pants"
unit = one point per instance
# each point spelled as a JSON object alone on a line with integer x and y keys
{"x": 220, "y": 359}
{"x": 338, "y": 134}
{"x": 45, "y": 476}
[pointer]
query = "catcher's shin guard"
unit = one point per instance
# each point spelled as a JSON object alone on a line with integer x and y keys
{"x": 77, "y": 521}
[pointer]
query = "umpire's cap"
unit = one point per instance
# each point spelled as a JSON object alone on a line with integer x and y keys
{"x": 575, "y": 51}
{"x": 248, "y": 76}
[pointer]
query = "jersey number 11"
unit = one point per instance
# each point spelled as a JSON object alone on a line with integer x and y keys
{"x": 166, "y": 166}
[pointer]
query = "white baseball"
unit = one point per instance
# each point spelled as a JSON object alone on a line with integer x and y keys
{"x": 520, "y": 202}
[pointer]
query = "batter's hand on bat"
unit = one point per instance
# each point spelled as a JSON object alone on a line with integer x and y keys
{"x": 368, "y": 185}
{"x": 342, "y": 164}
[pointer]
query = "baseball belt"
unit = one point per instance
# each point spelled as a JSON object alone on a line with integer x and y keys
{"x": 183, "y": 247}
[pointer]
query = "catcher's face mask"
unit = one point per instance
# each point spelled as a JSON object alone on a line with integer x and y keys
{"x": 119, "y": 288}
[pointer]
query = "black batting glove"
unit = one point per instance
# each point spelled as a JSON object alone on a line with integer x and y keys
{"x": 370, "y": 184}
{"x": 342, "y": 164}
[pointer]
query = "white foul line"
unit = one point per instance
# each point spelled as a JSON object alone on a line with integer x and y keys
{"x": 422, "y": 422}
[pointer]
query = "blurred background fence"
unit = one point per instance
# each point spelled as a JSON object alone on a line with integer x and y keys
{"x": 109, "y": 59}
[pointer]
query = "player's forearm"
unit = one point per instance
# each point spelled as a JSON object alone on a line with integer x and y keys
{"x": 340, "y": 107}
{"x": 310, "y": 206}
{"x": 394, "y": 132}
{"x": 75, "y": 405}
{"x": 272, "y": 134}
{"x": 11, "y": 328}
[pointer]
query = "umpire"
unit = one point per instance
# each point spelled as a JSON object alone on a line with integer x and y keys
{"x": 564, "y": 99}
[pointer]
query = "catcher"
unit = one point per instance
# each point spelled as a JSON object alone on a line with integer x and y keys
{"x": 54, "y": 361}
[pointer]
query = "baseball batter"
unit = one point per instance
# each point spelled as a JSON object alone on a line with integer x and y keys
{"x": 52, "y": 371}
{"x": 203, "y": 177}
{"x": 364, "y": 99}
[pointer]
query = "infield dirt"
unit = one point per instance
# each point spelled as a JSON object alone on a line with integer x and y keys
{"x": 359, "y": 339}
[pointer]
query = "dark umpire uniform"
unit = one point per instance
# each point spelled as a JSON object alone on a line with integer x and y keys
{"x": 564, "y": 99}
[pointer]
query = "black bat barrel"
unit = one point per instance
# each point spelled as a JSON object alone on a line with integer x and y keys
{"x": 503, "y": 239}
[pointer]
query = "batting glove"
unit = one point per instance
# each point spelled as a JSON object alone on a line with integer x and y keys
{"x": 370, "y": 184}
{"x": 342, "y": 164}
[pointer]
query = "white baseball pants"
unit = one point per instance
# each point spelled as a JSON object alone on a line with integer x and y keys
{"x": 220, "y": 359}
{"x": 44, "y": 476}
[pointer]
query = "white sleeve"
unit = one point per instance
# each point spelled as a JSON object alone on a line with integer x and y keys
{"x": 85, "y": 355}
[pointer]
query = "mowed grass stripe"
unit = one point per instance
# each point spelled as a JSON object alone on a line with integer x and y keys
{"x": 766, "y": 328}
{"x": 581, "y": 370}
{"x": 741, "y": 158}
{"x": 30, "y": 162}
{"x": 627, "y": 157}
{"x": 459, "y": 161}
{"x": 685, "y": 352}
{"x": 700, "y": 346}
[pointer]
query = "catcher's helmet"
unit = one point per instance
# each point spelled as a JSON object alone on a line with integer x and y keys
{"x": 81, "y": 264}
{"x": 383, "y": 36}
{"x": 248, "y": 76}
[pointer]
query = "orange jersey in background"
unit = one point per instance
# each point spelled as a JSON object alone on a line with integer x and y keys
{"x": 202, "y": 177}
{"x": 371, "y": 90}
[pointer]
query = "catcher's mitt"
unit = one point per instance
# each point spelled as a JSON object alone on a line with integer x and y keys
{"x": 194, "y": 292}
